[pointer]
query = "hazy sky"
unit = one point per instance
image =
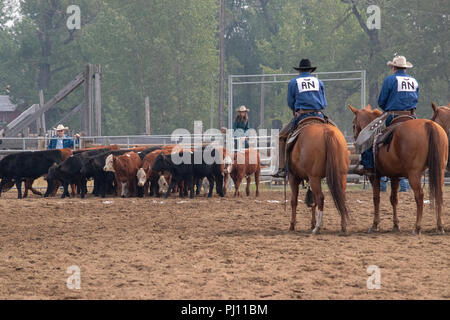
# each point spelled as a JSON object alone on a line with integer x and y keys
{"x": 14, "y": 6}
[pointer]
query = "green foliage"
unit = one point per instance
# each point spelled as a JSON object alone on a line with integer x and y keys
{"x": 168, "y": 50}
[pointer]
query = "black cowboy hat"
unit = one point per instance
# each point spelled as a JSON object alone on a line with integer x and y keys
{"x": 305, "y": 64}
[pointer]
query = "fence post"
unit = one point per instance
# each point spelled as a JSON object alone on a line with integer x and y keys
{"x": 88, "y": 111}
{"x": 98, "y": 98}
{"x": 147, "y": 116}
{"x": 43, "y": 126}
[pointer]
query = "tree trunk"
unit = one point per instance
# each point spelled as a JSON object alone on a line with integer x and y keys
{"x": 44, "y": 76}
{"x": 375, "y": 51}
{"x": 222, "y": 63}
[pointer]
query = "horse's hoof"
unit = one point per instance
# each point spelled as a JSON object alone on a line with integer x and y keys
{"x": 292, "y": 228}
{"x": 396, "y": 229}
{"x": 374, "y": 230}
{"x": 441, "y": 231}
{"x": 316, "y": 231}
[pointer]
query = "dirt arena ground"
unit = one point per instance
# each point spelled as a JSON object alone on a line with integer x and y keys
{"x": 215, "y": 249}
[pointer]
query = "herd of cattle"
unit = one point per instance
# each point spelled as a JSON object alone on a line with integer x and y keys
{"x": 136, "y": 172}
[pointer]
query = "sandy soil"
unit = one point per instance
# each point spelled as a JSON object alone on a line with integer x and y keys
{"x": 215, "y": 249}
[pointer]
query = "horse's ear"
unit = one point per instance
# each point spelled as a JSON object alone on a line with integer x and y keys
{"x": 368, "y": 107}
{"x": 354, "y": 110}
{"x": 433, "y": 105}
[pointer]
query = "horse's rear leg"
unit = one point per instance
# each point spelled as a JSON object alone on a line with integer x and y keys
{"x": 395, "y": 182}
{"x": 440, "y": 222}
{"x": 294, "y": 183}
{"x": 316, "y": 188}
{"x": 375, "y": 181}
{"x": 414, "y": 181}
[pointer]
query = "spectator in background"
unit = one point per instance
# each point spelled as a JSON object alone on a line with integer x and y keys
{"x": 241, "y": 126}
{"x": 63, "y": 141}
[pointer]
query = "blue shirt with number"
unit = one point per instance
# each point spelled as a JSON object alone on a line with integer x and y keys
{"x": 306, "y": 92}
{"x": 400, "y": 92}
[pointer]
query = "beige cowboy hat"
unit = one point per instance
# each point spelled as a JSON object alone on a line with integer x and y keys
{"x": 400, "y": 61}
{"x": 243, "y": 109}
{"x": 61, "y": 128}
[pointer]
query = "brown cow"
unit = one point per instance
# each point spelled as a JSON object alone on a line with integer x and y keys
{"x": 226, "y": 167}
{"x": 147, "y": 178}
{"x": 245, "y": 164}
{"x": 125, "y": 170}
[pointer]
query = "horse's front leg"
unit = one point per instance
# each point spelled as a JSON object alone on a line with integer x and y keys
{"x": 375, "y": 181}
{"x": 395, "y": 182}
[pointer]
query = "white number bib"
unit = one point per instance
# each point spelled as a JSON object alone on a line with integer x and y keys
{"x": 406, "y": 84}
{"x": 308, "y": 84}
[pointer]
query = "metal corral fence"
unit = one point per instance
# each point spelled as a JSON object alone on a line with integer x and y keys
{"x": 266, "y": 145}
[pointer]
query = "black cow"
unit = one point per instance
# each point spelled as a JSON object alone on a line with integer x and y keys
{"x": 190, "y": 172}
{"x": 27, "y": 165}
{"x": 94, "y": 167}
{"x": 69, "y": 172}
{"x": 144, "y": 153}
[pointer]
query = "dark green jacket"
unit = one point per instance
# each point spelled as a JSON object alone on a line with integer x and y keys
{"x": 244, "y": 126}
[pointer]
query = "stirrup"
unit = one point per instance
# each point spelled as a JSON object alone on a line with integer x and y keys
{"x": 280, "y": 174}
{"x": 360, "y": 170}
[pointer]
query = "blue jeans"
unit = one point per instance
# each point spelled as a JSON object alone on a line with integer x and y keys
{"x": 367, "y": 159}
{"x": 383, "y": 184}
{"x": 392, "y": 117}
{"x": 304, "y": 116}
{"x": 404, "y": 185}
{"x": 367, "y": 156}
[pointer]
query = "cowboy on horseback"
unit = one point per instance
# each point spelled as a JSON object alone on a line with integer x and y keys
{"x": 306, "y": 98}
{"x": 399, "y": 96}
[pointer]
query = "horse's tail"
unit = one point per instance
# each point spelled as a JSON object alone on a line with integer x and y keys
{"x": 336, "y": 168}
{"x": 434, "y": 158}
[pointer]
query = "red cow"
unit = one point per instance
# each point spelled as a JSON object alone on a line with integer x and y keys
{"x": 245, "y": 164}
{"x": 125, "y": 170}
{"x": 147, "y": 177}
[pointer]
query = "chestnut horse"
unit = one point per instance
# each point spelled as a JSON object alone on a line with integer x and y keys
{"x": 442, "y": 117}
{"x": 415, "y": 146}
{"x": 320, "y": 151}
